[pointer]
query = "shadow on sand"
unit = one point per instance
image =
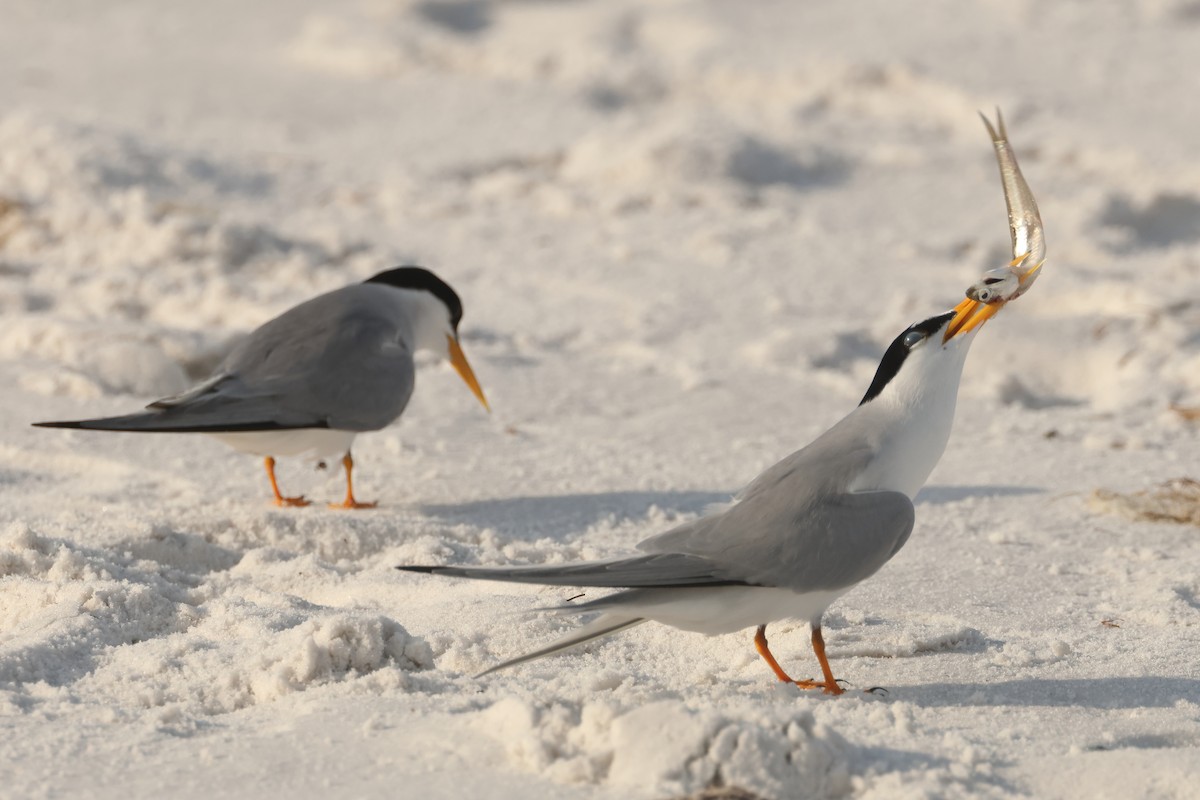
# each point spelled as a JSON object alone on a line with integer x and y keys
{"x": 565, "y": 515}
{"x": 1131, "y": 692}
{"x": 937, "y": 495}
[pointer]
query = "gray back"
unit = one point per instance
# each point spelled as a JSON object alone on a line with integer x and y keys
{"x": 343, "y": 358}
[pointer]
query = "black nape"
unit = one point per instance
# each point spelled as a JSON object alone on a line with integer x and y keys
{"x": 897, "y": 352}
{"x": 421, "y": 279}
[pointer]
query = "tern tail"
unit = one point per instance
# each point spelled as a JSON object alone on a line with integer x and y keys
{"x": 604, "y": 625}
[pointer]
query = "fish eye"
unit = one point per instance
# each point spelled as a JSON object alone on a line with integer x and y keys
{"x": 913, "y": 338}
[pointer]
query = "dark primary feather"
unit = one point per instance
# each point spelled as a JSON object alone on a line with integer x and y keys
{"x": 225, "y": 405}
{"x": 661, "y": 570}
{"x": 151, "y": 422}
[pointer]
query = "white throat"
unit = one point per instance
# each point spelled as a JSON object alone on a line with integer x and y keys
{"x": 425, "y": 317}
{"x": 912, "y": 417}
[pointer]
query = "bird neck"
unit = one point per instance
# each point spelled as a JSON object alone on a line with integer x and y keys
{"x": 423, "y": 317}
{"x": 909, "y": 425}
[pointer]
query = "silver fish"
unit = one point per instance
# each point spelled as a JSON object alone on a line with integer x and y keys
{"x": 1024, "y": 224}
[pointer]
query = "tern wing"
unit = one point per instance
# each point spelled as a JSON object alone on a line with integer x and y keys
{"x": 661, "y": 570}
{"x": 829, "y": 543}
{"x": 222, "y": 404}
{"x": 341, "y": 360}
{"x": 836, "y": 545}
{"x": 1024, "y": 221}
{"x": 217, "y": 415}
{"x": 345, "y": 357}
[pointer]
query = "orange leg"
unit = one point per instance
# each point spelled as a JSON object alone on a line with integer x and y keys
{"x": 350, "y": 502}
{"x": 280, "y": 500}
{"x": 829, "y": 685}
{"x": 760, "y": 644}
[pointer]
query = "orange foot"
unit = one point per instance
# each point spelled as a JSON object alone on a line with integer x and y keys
{"x": 827, "y": 688}
{"x": 292, "y": 502}
{"x": 351, "y": 504}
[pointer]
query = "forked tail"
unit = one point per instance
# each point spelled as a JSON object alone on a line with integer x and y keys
{"x": 604, "y": 625}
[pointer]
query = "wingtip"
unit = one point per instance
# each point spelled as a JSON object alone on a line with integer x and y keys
{"x": 428, "y": 570}
{"x": 59, "y": 424}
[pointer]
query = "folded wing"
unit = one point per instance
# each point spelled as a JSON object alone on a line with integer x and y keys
{"x": 828, "y": 543}
{"x": 654, "y": 571}
{"x": 828, "y": 546}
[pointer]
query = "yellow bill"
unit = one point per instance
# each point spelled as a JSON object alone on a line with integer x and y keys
{"x": 969, "y": 315}
{"x": 459, "y": 362}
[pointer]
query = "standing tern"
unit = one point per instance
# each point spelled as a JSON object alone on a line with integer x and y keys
{"x": 805, "y": 531}
{"x": 313, "y": 378}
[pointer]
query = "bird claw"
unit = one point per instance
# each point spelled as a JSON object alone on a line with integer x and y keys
{"x": 292, "y": 502}
{"x": 833, "y": 688}
{"x": 351, "y": 505}
{"x": 876, "y": 690}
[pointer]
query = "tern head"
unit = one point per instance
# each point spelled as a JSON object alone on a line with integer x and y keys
{"x": 908, "y": 411}
{"x": 436, "y": 312}
{"x": 928, "y": 354}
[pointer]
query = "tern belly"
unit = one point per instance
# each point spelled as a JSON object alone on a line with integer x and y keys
{"x": 318, "y": 442}
{"x": 725, "y": 609}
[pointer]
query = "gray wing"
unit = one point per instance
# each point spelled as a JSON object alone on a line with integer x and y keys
{"x": 343, "y": 359}
{"x": 827, "y": 544}
{"x": 794, "y": 527}
{"x": 661, "y": 570}
{"x": 833, "y": 546}
{"x": 825, "y": 466}
{"x": 340, "y": 361}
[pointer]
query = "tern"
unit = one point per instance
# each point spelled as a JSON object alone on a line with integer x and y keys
{"x": 313, "y": 378}
{"x": 805, "y": 531}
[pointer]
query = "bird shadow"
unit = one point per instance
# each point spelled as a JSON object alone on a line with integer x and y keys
{"x": 1124, "y": 692}
{"x": 561, "y": 516}
{"x": 884, "y": 760}
{"x": 939, "y": 495}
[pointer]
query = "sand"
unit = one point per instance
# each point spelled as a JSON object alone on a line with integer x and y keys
{"x": 683, "y": 232}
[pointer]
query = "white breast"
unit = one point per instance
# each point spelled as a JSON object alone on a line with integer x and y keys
{"x": 725, "y": 609}
{"x": 320, "y": 443}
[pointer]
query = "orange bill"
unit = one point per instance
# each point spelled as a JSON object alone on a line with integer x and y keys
{"x": 459, "y": 362}
{"x": 969, "y": 315}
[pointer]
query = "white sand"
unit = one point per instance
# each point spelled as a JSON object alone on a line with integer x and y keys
{"x": 684, "y": 233}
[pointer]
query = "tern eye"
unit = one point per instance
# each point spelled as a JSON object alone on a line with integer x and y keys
{"x": 913, "y": 338}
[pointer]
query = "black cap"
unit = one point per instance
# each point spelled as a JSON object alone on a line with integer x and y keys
{"x": 421, "y": 279}
{"x": 899, "y": 349}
